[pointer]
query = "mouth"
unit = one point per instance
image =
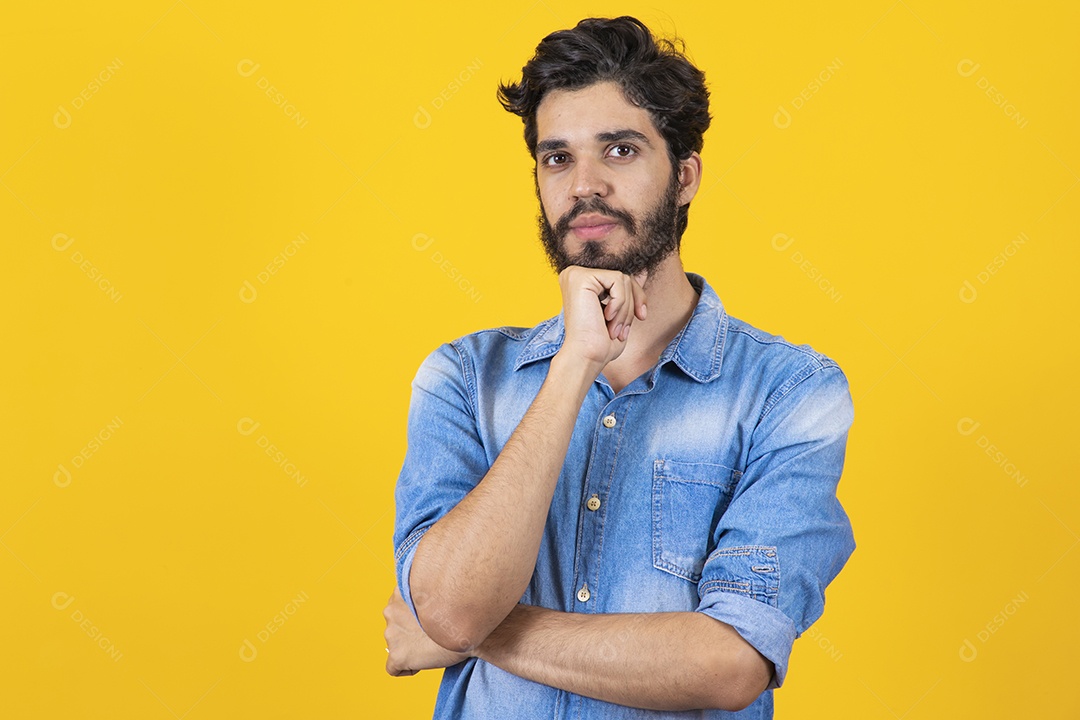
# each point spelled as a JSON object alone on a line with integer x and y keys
{"x": 594, "y": 232}
{"x": 593, "y": 226}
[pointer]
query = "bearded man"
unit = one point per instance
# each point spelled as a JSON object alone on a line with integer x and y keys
{"x": 629, "y": 510}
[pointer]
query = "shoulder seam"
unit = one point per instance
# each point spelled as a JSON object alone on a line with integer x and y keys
{"x": 468, "y": 376}
{"x": 796, "y": 379}
{"x": 823, "y": 360}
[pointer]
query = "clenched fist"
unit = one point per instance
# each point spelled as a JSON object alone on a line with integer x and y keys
{"x": 410, "y": 649}
{"x": 599, "y": 307}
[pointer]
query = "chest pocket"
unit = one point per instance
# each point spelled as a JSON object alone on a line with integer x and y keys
{"x": 687, "y": 502}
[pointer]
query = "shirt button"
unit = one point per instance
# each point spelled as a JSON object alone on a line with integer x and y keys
{"x": 609, "y": 421}
{"x": 593, "y": 503}
{"x": 583, "y": 594}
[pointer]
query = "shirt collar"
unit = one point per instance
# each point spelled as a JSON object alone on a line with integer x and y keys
{"x": 698, "y": 349}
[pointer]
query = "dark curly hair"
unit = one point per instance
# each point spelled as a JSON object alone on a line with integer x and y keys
{"x": 653, "y": 73}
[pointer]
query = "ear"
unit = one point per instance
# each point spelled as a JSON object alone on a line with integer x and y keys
{"x": 689, "y": 178}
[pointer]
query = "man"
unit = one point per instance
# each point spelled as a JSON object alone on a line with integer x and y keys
{"x": 630, "y": 509}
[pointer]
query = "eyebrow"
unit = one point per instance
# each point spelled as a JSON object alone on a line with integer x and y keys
{"x": 604, "y": 137}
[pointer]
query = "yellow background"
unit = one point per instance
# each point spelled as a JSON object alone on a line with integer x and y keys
{"x": 179, "y": 180}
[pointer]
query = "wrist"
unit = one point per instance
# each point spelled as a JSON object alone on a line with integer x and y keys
{"x": 506, "y": 634}
{"x": 573, "y": 371}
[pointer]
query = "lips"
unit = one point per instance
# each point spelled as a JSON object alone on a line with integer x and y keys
{"x": 592, "y": 220}
{"x": 593, "y": 226}
{"x": 594, "y": 232}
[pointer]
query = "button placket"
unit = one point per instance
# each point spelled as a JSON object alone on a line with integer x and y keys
{"x": 608, "y": 434}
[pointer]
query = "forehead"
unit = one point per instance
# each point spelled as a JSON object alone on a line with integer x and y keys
{"x": 578, "y": 115}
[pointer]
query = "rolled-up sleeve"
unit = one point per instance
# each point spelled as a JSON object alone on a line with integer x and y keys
{"x": 784, "y": 536}
{"x": 445, "y": 458}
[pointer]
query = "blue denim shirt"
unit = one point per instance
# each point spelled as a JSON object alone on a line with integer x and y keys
{"x": 707, "y": 484}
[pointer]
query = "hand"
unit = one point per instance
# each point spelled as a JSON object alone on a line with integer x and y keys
{"x": 410, "y": 649}
{"x": 596, "y": 332}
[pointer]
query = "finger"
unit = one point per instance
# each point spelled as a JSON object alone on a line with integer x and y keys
{"x": 397, "y": 671}
{"x": 610, "y": 302}
{"x": 614, "y": 326}
{"x": 615, "y": 313}
{"x": 626, "y": 312}
{"x": 610, "y": 309}
{"x": 639, "y": 299}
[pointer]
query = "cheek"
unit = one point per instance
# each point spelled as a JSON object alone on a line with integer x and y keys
{"x": 550, "y": 205}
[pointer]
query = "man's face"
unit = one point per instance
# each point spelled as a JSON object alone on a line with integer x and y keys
{"x": 609, "y": 197}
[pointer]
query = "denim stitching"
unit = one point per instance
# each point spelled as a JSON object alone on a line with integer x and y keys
{"x": 662, "y": 475}
{"x": 797, "y": 378}
{"x": 607, "y": 493}
{"x": 412, "y": 539}
{"x": 762, "y": 590}
{"x": 469, "y": 377}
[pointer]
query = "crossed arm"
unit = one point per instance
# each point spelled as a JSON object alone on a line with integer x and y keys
{"x": 664, "y": 661}
{"x": 657, "y": 661}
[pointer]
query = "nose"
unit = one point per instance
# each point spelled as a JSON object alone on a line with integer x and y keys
{"x": 589, "y": 179}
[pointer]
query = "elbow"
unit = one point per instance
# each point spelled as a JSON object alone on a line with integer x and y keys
{"x": 448, "y": 616}
{"x": 453, "y": 637}
{"x": 447, "y": 627}
{"x": 738, "y": 679}
{"x": 734, "y": 702}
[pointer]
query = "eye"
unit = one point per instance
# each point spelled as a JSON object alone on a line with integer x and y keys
{"x": 556, "y": 158}
{"x": 622, "y": 151}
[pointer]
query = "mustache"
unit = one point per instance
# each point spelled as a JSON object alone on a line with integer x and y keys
{"x": 598, "y": 206}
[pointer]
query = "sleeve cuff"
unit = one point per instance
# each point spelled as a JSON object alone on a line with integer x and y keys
{"x": 404, "y": 559}
{"x": 769, "y": 630}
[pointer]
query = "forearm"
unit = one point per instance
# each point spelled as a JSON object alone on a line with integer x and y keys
{"x": 658, "y": 661}
{"x": 472, "y": 566}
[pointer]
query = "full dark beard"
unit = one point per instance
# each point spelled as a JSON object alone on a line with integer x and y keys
{"x": 648, "y": 245}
